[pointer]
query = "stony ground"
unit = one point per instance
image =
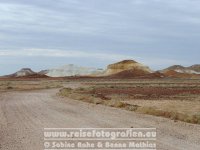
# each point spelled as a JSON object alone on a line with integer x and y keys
{"x": 24, "y": 115}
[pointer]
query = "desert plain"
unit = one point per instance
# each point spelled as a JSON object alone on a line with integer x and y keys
{"x": 27, "y": 106}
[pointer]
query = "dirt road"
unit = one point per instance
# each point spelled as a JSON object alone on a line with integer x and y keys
{"x": 24, "y": 115}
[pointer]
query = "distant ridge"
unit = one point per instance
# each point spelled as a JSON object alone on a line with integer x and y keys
{"x": 72, "y": 70}
{"x": 194, "y": 69}
{"x": 131, "y": 69}
{"x": 125, "y": 69}
{"x": 26, "y": 72}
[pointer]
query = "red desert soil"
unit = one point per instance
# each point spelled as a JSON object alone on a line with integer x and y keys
{"x": 147, "y": 91}
{"x": 33, "y": 76}
{"x": 132, "y": 73}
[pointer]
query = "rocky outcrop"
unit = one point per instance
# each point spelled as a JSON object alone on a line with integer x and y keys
{"x": 127, "y": 68}
{"x": 23, "y": 72}
{"x": 195, "y": 69}
{"x": 72, "y": 70}
{"x": 26, "y": 73}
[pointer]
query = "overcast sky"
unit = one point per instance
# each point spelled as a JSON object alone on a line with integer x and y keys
{"x": 43, "y": 34}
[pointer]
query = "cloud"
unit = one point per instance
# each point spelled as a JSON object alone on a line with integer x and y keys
{"x": 155, "y": 32}
{"x": 61, "y": 53}
{"x": 143, "y": 21}
{"x": 83, "y": 56}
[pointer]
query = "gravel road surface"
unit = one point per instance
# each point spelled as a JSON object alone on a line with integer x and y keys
{"x": 24, "y": 115}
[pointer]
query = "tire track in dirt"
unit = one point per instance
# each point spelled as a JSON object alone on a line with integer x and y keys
{"x": 24, "y": 115}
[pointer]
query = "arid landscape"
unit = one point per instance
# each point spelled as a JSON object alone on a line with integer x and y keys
{"x": 126, "y": 94}
{"x": 99, "y": 75}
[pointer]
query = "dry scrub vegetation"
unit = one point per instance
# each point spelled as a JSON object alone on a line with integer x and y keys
{"x": 177, "y": 100}
{"x": 28, "y": 85}
{"x": 174, "y": 99}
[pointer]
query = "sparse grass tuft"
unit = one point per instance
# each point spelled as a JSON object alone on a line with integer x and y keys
{"x": 162, "y": 99}
{"x": 9, "y": 87}
{"x": 172, "y": 115}
{"x": 65, "y": 91}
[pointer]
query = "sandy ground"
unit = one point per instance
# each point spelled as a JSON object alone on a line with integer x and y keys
{"x": 180, "y": 106}
{"x": 24, "y": 115}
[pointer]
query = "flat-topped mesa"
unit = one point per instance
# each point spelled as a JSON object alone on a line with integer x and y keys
{"x": 24, "y": 72}
{"x": 126, "y": 65}
{"x": 72, "y": 70}
{"x": 126, "y": 62}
